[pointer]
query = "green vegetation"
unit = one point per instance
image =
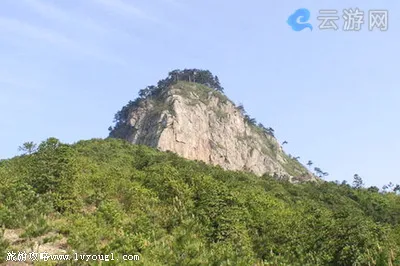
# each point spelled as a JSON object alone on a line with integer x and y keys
{"x": 198, "y": 92}
{"x": 221, "y": 115}
{"x": 260, "y": 128}
{"x": 203, "y": 80}
{"x": 293, "y": 166}
{"x": 110, "y": 196}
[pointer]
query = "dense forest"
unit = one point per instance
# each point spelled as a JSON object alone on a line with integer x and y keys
{"x": 107, "y": 196}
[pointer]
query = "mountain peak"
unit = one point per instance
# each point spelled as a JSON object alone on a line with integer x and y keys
{"x": 189, "y": 114}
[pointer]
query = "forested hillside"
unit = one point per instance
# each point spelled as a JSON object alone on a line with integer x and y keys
{"x": 103, "y": 196}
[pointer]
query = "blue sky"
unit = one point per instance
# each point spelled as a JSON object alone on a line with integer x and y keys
{"x": 66, "y": 67}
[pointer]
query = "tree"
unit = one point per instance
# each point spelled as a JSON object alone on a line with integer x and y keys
{"x": 373, "y": 189}
{"x": 218, "y": 86}
{"x": 252, "y": 121}
{"x": 50, "y": 144}
{"x": 190, "y": 76}
{"x": 270, "y": 131}
{"x": 309, "y": 163}
{"x": 144, "y": 92}
{"x": 320, "y": 173}
{"x": 28, "y": 147}
{"x": 174, "y": 75}
{"x": 241, "y": 109}
{"x": 388, "y": 187}
{"x": 357, "y": 181}
{"x": 396, "y": 189}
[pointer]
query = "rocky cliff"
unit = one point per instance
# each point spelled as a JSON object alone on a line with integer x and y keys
{"x": 200, "y": 123}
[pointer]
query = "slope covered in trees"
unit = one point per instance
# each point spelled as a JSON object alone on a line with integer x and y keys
{"x": 107, "y": 196}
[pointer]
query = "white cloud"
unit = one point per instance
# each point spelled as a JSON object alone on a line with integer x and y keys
{"x": 52, "y": 12}
{"x": 59, "y": 40}
{"x": 20, "y": 27}
{"x": 55, "y": 13}
{"x": 126, "y": 9}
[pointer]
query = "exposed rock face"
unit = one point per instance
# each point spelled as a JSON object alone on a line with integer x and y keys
{"x": 201, "y": 124}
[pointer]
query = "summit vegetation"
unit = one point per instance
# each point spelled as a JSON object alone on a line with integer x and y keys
{"x": 205, "y": 81}
{"x": 204, "y": 77}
